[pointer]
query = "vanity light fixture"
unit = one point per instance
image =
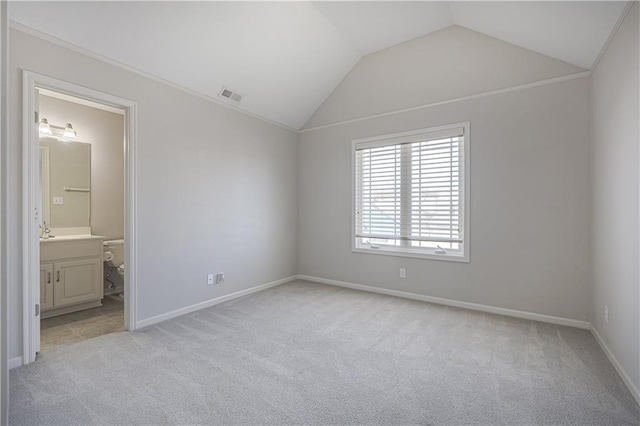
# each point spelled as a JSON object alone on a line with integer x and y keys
{"x": 61, "y": 133}
{"x": 45, "y": 129}
{"x": 69, "y": 133}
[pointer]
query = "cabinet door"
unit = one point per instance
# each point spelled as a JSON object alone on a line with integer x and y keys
{"x": 46, "y": 286}
{"x": 77, "y": 281}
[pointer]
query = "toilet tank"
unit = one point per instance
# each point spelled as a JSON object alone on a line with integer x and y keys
{"x": 115, "y": 247}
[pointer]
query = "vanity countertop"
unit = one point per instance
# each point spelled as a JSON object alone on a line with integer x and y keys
{"x": 64, "y": 238}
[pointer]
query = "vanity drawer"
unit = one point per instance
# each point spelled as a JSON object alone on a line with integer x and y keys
{"x": 71, "y": 249}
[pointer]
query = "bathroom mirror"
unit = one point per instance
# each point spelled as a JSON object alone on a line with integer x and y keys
{"x": 65, "y": 183}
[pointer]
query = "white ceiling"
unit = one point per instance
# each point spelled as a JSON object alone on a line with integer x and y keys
{"x": 287, "y": 57}
{"x": 372, "y": 26}
{"x": 573, "y": 32}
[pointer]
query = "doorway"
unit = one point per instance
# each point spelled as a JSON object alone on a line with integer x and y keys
{"x": 82, "y": 219}
{"x": 76, "y": 281}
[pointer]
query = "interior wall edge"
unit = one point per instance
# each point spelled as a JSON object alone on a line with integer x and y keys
{"x": 569, "y": 322}
{"x": 211, "y": 302}
{"x": 616, "y": 364}
{"x": 606, "y": 94}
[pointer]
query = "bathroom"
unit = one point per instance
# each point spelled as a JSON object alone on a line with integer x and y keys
{"x": 82, "y": 266}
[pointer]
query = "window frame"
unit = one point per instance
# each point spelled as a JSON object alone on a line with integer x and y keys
{"x": 407, "y": 137}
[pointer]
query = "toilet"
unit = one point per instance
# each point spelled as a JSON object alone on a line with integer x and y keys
{"x": 114, "y": 254}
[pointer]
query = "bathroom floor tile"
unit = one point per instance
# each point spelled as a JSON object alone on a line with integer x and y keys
{"x": 51, "y": 323}
{"x": 70, "y": 328}
{"x": 96, "y": 330}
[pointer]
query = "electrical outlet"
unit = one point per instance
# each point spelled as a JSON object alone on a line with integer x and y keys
{"x": 58, "y": 200}
{"x": 219, "y": 277}
{"x": 606, "y": 314}
{"x": 210, "y": 279}
{"x": 403, "y": 273}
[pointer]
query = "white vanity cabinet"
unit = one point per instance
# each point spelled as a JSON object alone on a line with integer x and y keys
{"x": 70, "y": 274}
{"x": 46, "y": 286}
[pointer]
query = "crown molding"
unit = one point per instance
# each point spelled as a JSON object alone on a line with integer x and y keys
{"x": 525, "y": 86}
{"x": 613, "y": 33}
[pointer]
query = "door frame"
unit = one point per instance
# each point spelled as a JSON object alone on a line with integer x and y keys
{"x": 31, "y": 209}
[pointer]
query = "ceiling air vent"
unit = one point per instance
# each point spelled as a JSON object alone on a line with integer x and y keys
{"x": 230, "y": 96}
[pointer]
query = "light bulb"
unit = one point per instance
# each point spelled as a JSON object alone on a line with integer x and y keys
{"x": 44, "y": 128}
{"x": 69, "y": 133}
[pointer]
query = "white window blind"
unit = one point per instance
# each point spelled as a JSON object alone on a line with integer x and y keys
{"x": 409, "y": 193}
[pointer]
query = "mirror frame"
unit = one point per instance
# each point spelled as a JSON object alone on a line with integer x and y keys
{"x": 45, "y": 185}
{"x": 46, "y": 168}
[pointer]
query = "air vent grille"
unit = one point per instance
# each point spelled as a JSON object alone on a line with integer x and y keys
{"x": 229, "y": 95}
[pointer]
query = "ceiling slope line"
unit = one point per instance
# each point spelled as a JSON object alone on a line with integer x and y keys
{"x": 93, "y": 55}
{"x": 613, "y": 33}
{"x": 525, "y": 86}
{"x": 451, "y": 14}
{"x": 342, "y": 36}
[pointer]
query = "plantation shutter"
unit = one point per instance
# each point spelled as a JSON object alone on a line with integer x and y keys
{"x": 408, "y": 190}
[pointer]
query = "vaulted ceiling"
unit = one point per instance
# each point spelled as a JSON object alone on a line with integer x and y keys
{"x": 285, "y": 58}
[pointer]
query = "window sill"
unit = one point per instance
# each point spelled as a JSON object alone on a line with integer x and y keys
{"x": 417, "y": 255}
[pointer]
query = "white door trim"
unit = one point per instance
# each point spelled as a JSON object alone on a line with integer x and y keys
{"x": 31, "y": 204}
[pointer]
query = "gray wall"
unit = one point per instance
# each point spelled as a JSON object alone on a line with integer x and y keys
{"x": 529, "y": 197}
{"x": 529, "y": 165}
{"x": 447, "y": 64}
{"x": 615, "y": 202}
{"x": 217, "y": 190}
{"x": 4, "y": 376}
{"x": 104, "y": 130}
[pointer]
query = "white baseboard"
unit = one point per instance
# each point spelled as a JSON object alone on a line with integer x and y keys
{"x": 202, "y": 305}
{"x": 458, "y": 304}
{"x": 15, "y": 362}
{"x": 616, "y": 364}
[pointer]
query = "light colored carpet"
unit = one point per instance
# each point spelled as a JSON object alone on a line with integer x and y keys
{"x": 316, "y": 354}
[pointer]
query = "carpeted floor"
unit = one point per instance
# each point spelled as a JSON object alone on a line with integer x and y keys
{"x": 316, "y": 354}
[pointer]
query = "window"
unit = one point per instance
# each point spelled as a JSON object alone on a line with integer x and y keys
{"x": 411, "y": 193}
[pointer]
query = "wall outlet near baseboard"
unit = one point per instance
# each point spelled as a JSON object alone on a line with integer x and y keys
{"x": 219, "y": 277}
{"x": 403, "y": 273}
{"x": 210, "y": 279}
{"x": 606, "y": 314}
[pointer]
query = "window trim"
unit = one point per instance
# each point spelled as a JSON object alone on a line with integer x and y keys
{"x": 407, "y": 137}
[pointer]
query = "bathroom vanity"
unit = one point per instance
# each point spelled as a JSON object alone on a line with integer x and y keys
{"x": 71, "y": 259}
{"x": 71, "y": 277}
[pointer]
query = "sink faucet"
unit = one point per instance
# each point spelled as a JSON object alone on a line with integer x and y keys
{"x": 45, "y": 231}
